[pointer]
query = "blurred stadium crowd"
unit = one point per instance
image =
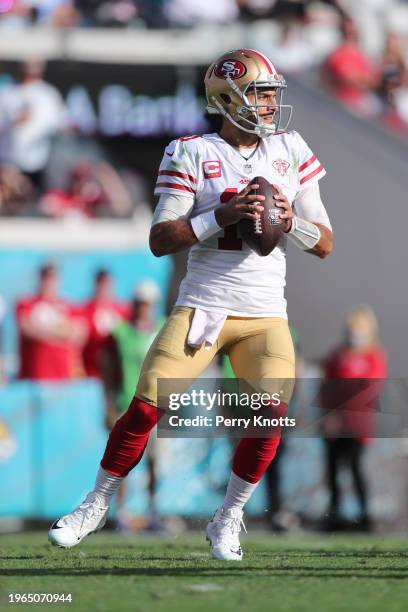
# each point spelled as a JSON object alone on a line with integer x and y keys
{"x": 356, "y": 51}
{"x": 174, "y": 13}
{"x": 32, "y": 116}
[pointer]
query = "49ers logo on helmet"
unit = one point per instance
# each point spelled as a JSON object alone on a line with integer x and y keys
{"x": 233, "y": 69}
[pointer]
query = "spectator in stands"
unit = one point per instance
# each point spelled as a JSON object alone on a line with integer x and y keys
{"x": 394, "y": 84}
{"x": 130, "y": 339}
{"x": 59, "y": 13}
{"x": 292, "y": 53}
{"x": 151, "y": 13}
{"x": 350, "y": 74}
{"x": 184, "y": 13}
{"x": 16, "y": 192}
{"x": 125, "y": 352}
{"x": 31, "y": 114}
{"x": 16, "y": 14}
{"x": 125, "y": 13}
{"x": 50, "y": 335}
{"x": 94, "y": 190}
{"x": 101, "y": 314}
{"x": 107, "y": 13}
{"x": 350, "y": 401}
{"x": 285, "y": 10}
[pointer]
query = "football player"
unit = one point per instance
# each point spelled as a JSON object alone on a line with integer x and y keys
{"x": 231, "y": 299}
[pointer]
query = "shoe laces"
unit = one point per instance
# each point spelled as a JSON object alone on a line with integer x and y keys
{"x": 92, "y": 511}
{"x": 236, "y": 524}
{"x": 231, "y": 523}
{"x": 87, "y": 510}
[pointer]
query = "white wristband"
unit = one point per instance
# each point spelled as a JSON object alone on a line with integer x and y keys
{"x": 304, "y": 234}
{"x": 205, "y": 225}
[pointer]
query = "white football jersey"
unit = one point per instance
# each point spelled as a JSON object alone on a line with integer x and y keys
{"x": 223, "y": 273}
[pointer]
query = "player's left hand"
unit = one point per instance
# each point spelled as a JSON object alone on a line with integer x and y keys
{"x": 287, "y": 212}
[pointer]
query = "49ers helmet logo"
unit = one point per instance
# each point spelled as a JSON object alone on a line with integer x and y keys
{"x": 230, "y": 68}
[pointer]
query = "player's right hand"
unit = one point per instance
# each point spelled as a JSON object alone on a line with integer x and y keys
{"x": 243, "y": 205}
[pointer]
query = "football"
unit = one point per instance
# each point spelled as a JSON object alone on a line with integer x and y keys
{"x": 263, "y": 234}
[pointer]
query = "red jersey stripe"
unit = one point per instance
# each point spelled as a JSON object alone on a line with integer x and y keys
{"x": 179, "y": 174}
{"x": 311, "y": 175}
{"x": 307, "y": 163}
{"x": 176, "y": 186}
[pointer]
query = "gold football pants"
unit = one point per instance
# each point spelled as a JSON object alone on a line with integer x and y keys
{"x": 260, "y": 351}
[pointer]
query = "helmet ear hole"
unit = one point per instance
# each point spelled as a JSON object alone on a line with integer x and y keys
{"x": 225, "y": 98}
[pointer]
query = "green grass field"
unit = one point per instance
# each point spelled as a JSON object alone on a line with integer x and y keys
{"x": 114, "y": 573}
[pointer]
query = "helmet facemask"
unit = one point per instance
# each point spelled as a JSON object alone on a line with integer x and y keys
{"x": 249, "y": 116}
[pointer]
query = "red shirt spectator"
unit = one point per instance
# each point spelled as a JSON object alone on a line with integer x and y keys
{"x": 355, "y": 374}
{"x": 49, "y": 336}
{"x": 351, "y": 75}
{"x": 102, "y": 313}
{"x": 93, "y": 190}
{"x": 83, "y": 197}
{"x": 348, "y": 363}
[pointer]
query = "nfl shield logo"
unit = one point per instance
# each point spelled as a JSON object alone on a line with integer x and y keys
{"x": 273, "y": 216}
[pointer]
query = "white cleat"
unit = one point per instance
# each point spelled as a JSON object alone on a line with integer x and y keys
{"x": 69, "y": 530}
{"x": 223, "y": 534}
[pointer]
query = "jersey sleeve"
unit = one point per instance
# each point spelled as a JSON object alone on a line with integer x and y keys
{"x": 310, "y": 168}
{"x": 309, "y": 206}
{"x": 178, "y": 171}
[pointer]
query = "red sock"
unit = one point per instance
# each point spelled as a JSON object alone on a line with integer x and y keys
{"x": 253, "y": 456}
{"x": 128, "y": 438}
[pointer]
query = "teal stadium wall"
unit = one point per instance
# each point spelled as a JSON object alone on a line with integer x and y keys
{"x": 52, "y": 438}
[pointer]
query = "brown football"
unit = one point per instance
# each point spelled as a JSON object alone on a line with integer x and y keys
{"x": 263, "y": 235}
